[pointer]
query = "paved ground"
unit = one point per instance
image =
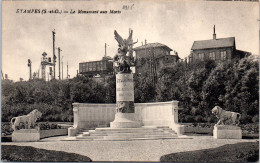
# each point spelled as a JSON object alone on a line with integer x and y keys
{"x": 138, "y": 150}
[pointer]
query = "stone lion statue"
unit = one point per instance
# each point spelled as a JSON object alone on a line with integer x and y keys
{"x": 27, "y": 120}
{"x": 226, "y": 117}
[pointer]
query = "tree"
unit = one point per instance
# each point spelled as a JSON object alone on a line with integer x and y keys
{"x": 144, "y": 91}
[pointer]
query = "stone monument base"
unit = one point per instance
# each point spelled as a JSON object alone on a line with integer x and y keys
{"x": 227, "y": 132}
{"x": 26, "y": 135}
{"x": 125, "y": 120}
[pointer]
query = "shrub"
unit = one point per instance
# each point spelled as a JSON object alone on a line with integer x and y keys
{"x": 6, "y": 129}
{"x": 256, "y": 119}
{"x": 250, "y": 128}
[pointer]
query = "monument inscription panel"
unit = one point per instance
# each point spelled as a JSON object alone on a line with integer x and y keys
{"x": 124, "y": 87}
{"x": 124, "y": 93}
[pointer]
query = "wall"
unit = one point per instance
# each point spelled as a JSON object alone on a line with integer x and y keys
{"x": 53, "y": 132}
{"x": 95, "y": 115}
{"x": 92, "y": 115}
{"x": 158, "y": 114}
{"x": 197, "y": 130}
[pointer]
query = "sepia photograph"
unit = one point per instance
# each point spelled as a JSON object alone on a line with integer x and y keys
{"x": 130, "y": 81}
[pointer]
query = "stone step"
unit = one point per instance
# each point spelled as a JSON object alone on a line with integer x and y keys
{"x": 161, "y": 136}
{"x": 123, "y": 137}
{"x": 124, "y": 131}
{"x": 85, "y": 133}
{"x": 122, "y": 134}
{"x": 137, "y": 135}
{"x": 141, "y": 128}
{"x": 172, "y": 131}
{"x": 89, "y": 137}
{"x": 118, "y": 132}
{"x": 92, "y": 132}
{"x": 155, "y": 127}
{"x": 137, "y": 138}
{"x": 112, "y": 132}
{"x": 126, "y": 139}
{"x": 143, "y": 133}
{"x": 98, "y": 134}
{"x": 165, "y": 127}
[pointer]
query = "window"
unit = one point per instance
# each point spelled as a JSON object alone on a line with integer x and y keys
{"x": 87, "y": 66}
{"x": 223, "y": 55}
{"x": 195, "y": 56}
{"x": 94, "y": 65}
{"x": 212, "y": 55}
{"x": 201, "y": 56}
{"x": 83, "y": 67}
{"x": 80, "y": 68}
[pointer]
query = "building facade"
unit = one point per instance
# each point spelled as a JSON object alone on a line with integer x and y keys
{"x": 216, "y": 49}
{"x": 102, "y": 67}
{"x": 152, "y": 57}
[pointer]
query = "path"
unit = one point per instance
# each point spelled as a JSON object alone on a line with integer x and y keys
{"x": 138, "y": 150}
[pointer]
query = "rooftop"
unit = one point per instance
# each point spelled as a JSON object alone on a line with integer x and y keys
{"x": 153, "y": 45}
{"x": 218, "y": 43}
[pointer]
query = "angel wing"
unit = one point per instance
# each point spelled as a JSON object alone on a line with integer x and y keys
{"x": 129, "y": 40}
{"x": 119, "y": 39}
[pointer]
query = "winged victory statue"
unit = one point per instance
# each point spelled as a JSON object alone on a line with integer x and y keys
{"x": 124, "y": 59}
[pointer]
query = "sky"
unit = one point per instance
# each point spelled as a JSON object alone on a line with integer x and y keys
{"x": 82, "y": 37}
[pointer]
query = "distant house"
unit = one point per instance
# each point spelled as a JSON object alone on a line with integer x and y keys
{"x": 151, "y": 57}
{"x": 216, "y": 49}
{"x": 102, "y": 67}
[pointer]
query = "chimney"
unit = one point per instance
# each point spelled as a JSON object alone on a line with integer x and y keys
{"x": 214, "y": 34}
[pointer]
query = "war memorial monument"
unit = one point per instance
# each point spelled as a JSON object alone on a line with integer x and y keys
{"x": 126, "y": 120}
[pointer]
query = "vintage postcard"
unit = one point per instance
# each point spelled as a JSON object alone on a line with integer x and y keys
{"x": 128, "y": 80}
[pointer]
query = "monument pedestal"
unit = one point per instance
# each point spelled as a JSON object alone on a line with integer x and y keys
{"x": 125, "y": 116}
{"x": 125, "y": 120}
{"x": 26, "y": 135}
{"x": 227, "y": 132}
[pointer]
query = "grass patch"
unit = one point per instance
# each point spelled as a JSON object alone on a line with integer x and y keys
{"x": 240, "y": 152}
{"x": 31, "y": 154}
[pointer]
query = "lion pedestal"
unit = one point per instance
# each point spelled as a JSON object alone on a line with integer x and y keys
{"x": 227, "y": 132}
{"x": 26, "y": 135}
{"x": 226, "y": 127}
{"x": 28, "y": 122}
